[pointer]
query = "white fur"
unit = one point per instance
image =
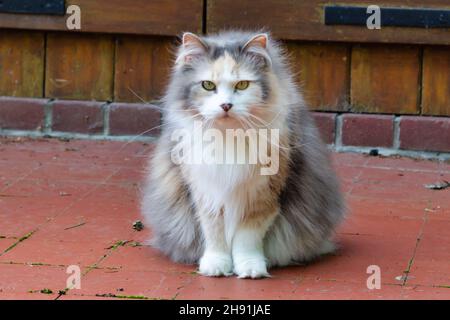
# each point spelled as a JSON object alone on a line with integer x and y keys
{"x": 216, "y": 264}
{"x": 228, "y": 188}
{"x": 248, "y": 251}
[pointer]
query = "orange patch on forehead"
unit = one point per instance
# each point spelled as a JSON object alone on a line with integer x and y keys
{"x": 225, "y": 68}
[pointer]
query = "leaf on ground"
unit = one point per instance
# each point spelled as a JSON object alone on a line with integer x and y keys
{"x": 438, "y": 185}
{"x": 46, "y": 291}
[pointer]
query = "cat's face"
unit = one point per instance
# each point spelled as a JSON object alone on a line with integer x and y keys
{"x": 225, "y": 82}
{"x": 223, "y": 88}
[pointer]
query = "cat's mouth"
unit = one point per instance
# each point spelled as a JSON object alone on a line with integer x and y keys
{"x": 224, "y": 116}
{"x": 227, "y": 121}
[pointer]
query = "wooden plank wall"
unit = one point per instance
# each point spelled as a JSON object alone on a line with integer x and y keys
{"x": 21, "y": 63}
{"x": 79, "y": 66}
{"x": 84, "y": 66}
{"x": 335, "y": 76}
{"x": 385, "y": 79}
{"x": 142, "y": 68}
{"x": 436, "y": 81}
{"x": 323, "y": 73}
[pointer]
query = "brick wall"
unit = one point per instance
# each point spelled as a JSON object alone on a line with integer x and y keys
{"x": 388, "y": 134}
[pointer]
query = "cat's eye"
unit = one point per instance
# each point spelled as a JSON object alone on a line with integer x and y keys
{"x": 242, "y": 85}
{"x": 208, "y": 85}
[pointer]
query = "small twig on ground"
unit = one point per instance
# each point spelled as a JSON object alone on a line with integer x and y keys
{"x": 75, "y": 226}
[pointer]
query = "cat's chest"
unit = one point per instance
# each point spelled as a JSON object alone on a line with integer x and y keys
{"x": 216, "y": 173}
{"x": 219, "y": 186}
{"x": 220, "y": 183}
{"x": 221, "y": 178}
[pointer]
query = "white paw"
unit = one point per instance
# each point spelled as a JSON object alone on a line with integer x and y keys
{"x": 216, "y": 264}
{"x": 254, "y": 267}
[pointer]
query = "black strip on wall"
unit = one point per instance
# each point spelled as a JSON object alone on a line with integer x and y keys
{"x": 389, "y": 17}
{"x": 50, "y": 7}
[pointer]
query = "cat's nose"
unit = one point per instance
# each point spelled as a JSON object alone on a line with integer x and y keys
{"x": 226, "y": 106}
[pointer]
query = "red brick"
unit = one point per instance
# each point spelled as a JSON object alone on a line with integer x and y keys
{"x": 78, "y": 116}
{"x": 430, "y": 265}
{"x": 367, "y": 130}
{"x": 326, "y": 124}
{"x": 22, "y": 113}
{"x": 25, "y": 280}
{"x": 425, "y": 133}
{"x": 131, "y": 118}
{"x": 124, "y": 282}
{"x": 205, "y": 288}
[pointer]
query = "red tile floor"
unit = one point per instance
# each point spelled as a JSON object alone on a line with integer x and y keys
{"x": 68, "y": 203}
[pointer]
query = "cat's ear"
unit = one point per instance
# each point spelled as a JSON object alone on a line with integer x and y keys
{"x": 260, "y": 41}
{"x": 257, "y": 46}
{"x": 191, "y": 48}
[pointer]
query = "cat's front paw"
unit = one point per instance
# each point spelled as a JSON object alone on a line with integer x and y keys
{"x": 216, "y": 264}
{"x": 254, "y": 267}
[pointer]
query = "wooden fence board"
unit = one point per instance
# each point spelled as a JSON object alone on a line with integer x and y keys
{"x": 436, "y": 81}
{"x": 142, "y": 66}
{"x": 79, "y": 66}
{"x": 21, "y": 63}
{"x": 323, "y": 73}
{"x": 385, "y": 79}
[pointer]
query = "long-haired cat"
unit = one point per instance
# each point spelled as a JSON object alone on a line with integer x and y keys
{"x": 229, "y": 217}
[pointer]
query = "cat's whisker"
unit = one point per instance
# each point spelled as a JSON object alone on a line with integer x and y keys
{"x": 265, "y": 124}
{"x": 137, "y": 96}
{"x": 250, "y": 124}
{"x": 267, "y": 109}
{"x": 255, "y": 125}
{"x": 245, "y": 127}
{"x": 165, "y": 124}
{"x": 275, "y": 117}
{"x": 151, "y": 105}
{"x": 269, "y": 141}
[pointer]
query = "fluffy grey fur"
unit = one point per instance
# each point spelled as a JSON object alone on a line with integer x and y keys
{"x": 310, "y": 201}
